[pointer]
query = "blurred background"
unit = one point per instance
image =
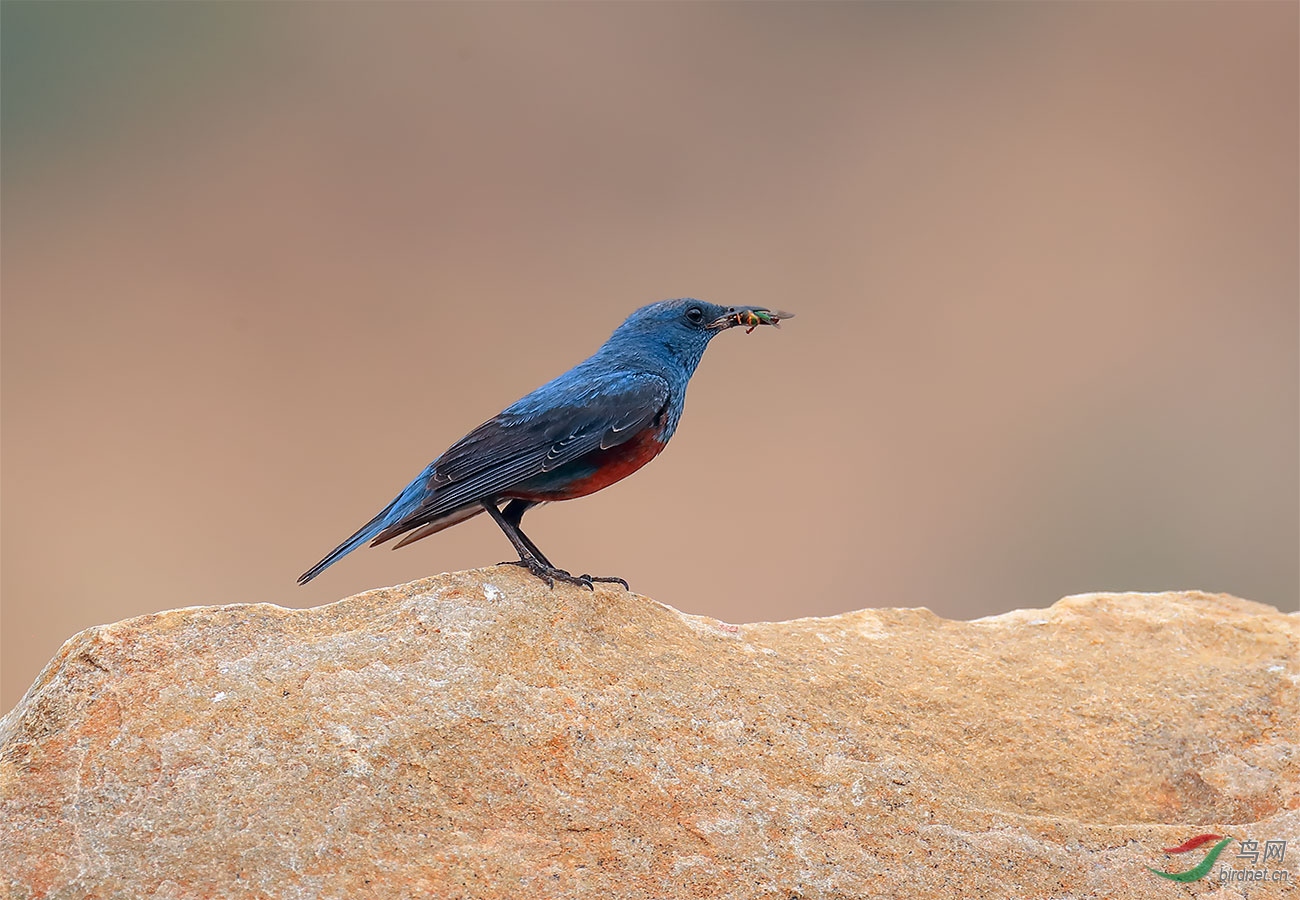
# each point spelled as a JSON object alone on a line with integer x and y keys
{"x": 261, "y": 263}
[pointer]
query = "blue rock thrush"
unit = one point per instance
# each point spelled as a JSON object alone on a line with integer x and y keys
{"x": 594, "y": 425}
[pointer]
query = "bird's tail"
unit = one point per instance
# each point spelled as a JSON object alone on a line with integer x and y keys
{"x": 365, "y": 533}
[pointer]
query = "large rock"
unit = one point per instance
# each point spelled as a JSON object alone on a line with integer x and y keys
{"x": 477, "y": 735}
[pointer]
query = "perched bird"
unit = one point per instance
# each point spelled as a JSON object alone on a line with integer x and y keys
{"x": 594, "y": 425}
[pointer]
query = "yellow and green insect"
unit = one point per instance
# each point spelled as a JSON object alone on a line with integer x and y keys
{"x": 749, "y": 319}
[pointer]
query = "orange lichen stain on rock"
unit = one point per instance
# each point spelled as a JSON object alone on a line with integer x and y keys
{"x": 44, "y": 870}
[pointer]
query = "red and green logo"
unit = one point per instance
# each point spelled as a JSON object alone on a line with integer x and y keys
{"x": 1201, "y": 869}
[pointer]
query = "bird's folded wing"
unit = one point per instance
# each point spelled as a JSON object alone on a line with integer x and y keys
{"x": 525, "y": 441}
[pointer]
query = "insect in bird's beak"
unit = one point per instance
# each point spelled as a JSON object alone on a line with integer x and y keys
{"x": 750, "y": 317}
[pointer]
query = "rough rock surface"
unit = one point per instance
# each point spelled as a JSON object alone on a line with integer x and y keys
{"x": 476, "y": 735}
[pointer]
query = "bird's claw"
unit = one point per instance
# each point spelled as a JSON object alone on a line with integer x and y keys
{"x": 561, "y": 575}
{"x": 609, "y": 579}
{"x": 550, "y": 574}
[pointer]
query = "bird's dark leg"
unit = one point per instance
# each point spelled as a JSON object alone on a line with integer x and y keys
{"x": 529, "y": 558}
{"x": 510, "y": 525}
{"x": 514, "y": 514}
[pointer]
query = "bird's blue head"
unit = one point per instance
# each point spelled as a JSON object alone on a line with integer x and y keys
{"x": 681, "y": 329}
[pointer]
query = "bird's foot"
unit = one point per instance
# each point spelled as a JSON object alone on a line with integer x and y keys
{"x": 609, "y": 579}
{"x": 550, "y": 574}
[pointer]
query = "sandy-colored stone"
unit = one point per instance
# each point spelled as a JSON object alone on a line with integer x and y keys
{"x": 476, "y": 735}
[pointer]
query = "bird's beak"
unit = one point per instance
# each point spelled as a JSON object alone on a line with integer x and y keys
{"x": 750, "y": 317}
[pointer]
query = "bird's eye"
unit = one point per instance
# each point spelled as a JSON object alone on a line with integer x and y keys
{"x": 695, "y": 314}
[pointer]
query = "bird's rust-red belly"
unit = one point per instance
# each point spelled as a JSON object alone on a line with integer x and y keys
{"x": 612, "y": 465}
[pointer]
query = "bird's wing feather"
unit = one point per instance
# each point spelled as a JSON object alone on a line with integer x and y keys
{"x": 522, "y": 442}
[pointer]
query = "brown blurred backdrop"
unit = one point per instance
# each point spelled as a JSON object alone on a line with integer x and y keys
{"x": 263, "y": 262}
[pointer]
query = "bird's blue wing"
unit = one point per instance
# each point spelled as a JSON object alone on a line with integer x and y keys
{"x": 534, "y": 436}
